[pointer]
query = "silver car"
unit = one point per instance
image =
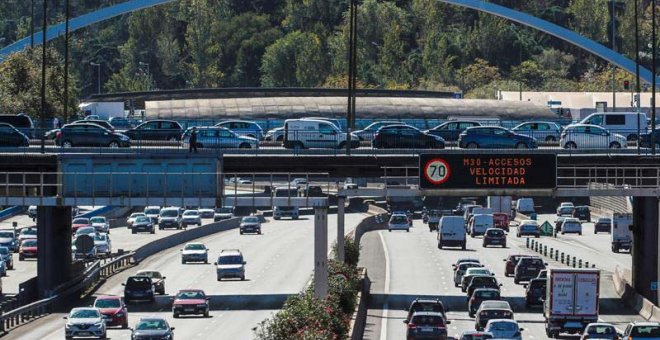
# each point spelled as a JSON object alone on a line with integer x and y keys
{"x": 219, "y": 137}
{"x": 230, "y": 265}
{"x": 100, "y": 224}
{"x": 194, "y": 252}
{"x": 541, "y": 131}
{"x": 85, "y": 322}
{"x": 191, "y": 217}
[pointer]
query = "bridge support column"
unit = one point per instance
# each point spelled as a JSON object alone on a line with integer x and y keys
{"x": 341, "y": 201}
{"x": 54, "y": 248}
{"x": 645, "y": 246}
{"x": 321, "y": 252}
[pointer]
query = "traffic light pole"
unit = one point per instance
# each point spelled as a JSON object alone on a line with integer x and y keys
{"x": 638, "y": 88}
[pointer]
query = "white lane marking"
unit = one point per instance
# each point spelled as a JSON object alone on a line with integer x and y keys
{"x": 386, "y": 289}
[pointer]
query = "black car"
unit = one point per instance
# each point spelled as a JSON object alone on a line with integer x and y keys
{"x": 603, "y": 224}
{"x": 426, "y": 305}
{"x": 156, "y": 130}
{"x": 535, "y": 292}
{"x": 426, "y": 326}
{"x": 21, "y": 122}
{"x": 482, "y": 282}
{"x": 480, "y": 295}
{"x": 582, "y": 213}
{"x": 101, "y": 123}
{"x": 645, "y": 139}
{"x": 405, "y": 137}
{"x": 87, "y": 134}
{"x": 527, "y": 269}
{"x": 494, "y": 137}
{"x": 152, "y": 328}
{"x": 138, "y": 288}
{"x": 143, "y": 224}
{"x": 450, "y": 131}
{"x": 10, "y": 136}
{"x": 494, "y": 236}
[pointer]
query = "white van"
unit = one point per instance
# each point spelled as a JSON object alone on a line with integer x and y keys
{"x": 479, "y": 223}
{"x": 525, "y": 205}
{"x": 451, "y": 232}
{"x": 315, "y": 133}
{"x": 286, "y": 211}
{"x": 623, "y": 123}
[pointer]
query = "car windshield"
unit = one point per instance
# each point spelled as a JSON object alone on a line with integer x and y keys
{"x": 399, "y": 219}
{"x": 434, "y": 320}
{"x": 503, "y": 326}
{"x": 195, "y": 246}
{"x": 169, "y": 213}
{"x": 153, "y": 211}
{"x": 5, "y": 234}
{"x": 250, "y": 219}
{"x": 85, "y": 230}
{"x": 495, "y": 232}
{"x": 135, "y": 215}
{"x": 601, "y": 330}
{"x": 477, "y": 271}
{"x": 29, "y": 243}
{"x": 80, "y": 221}
{"x": 142, "y": 219}
{"x": 100, "y": 237}
{"x": 230, "y": 260}
{"x": 191, "y": 213}
{"x": 572, "y": 224}
{"x": 486, "y": 294}
{"x": 149, "y": 325}
{"x": 84, "y": 314}
{"x": 645, "y": 332}
{"x": 107, "y": 303}
{"x": 151, "y": 274}
{"x": 223, "y": 210}
{"x": 428, "y": 307}
{"x": 191, "y": 295}
{"x": 483, "y": 280}
{"x": 138, "y": 282}
{"x": 97, "y": 220}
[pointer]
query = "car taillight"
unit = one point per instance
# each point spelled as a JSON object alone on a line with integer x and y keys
{"x": 411, "y": 325}
{"x": 58, "y": 134}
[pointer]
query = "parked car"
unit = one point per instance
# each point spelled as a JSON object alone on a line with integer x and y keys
{"x": 102, "y": 123}
{"x": 582, "y": 136}
{"x": 168, "y": 130}
{"x": 490, "y": 310}
{"x": 571, "y": 226}
{"x": 426, "y": 305}
{"x": 494, "y": 236}
{"x": 80, "y": 222}
{"x": 582, "y": 213}
{"x": 542, "y": 131}
{"x": 27, "y": 249}
{"x": 449, "y": 131}
{"x": 504, "y": 329}
{"x": 494, "y": 137}
{"x": 113, "y": 309}
{"x": 398, "y": 222}
{"x": 103, "y": 244}
{"x": 138, "y": 287}
{"x": 603, "y": 224}
{"x": 600, "y": 330}
{"x": 85, "y": 322}
{"x": 480, "y": 295}
{"x": 426, "y": 325}
{"x": 529, "y": 228}
{"x": 223, "y": 213}
{"x": 77, "y": 135}
{"x": 169, "y": 218}
{"x": 405, "y": 137}
{"x": 369, "y": 132}
{"x": 535, "y": 291}
{"x": 157, "y": 279}
{"x": 243, "y": 128}
{"x": 622, "y": 123}
{"x": 152, "y": 328}
{"x": 219, "y": 138}
{"x": 230, "y": 264}
{"x": 131, "y": 219}
{"x": 191, "y": 217}
{"x": 250, "y": 224}
{"x": 100, "y": 223}
{"x": 190, "y": 302}
{"x": 194, "y": 252}
{"x": 12, "y": 137}
{"x": 510, "y": 264}
{"x": 528, "y": 268}
{"x": 143, "y": 224}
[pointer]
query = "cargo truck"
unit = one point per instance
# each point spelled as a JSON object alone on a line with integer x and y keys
{"x": 571, "y": 301}
{"x": 621, "y": 234}
{"x": 500, "y": 204}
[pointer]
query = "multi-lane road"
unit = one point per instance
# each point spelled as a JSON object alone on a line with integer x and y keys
{"x": 403, "y": 266}
{"x": 279, "y": 263}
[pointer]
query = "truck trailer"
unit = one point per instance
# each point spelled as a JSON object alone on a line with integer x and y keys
{"x": 571, "y": 301}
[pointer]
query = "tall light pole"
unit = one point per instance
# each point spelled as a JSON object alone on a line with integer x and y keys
{"x": 98, "y": 76}
{"x": 352, "y": 52}
{"x": 66, "y": 61}
{"x": 43, "y": 77}
{"x": 613, "y": 49}
{"x": 653, "y": 71}
{"x": 638, "y": 88}
{"x": 31, "y": 23}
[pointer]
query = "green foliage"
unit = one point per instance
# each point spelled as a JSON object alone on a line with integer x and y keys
{"x": 478, "y": 74}
{"x": 297, "y": 59}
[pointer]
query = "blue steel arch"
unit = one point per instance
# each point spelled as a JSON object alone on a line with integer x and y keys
{"x": 479, "y": 5}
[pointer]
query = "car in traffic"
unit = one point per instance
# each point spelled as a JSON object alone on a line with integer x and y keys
{"x": 541, "y": 131}
{"x": 492, "y": 310}
{"x": 85, "y": 322}
{"x": 28, "y": 249}
{"x": 243, "y": 128}
{"x": 157, "y": 279}
{"x": 529, "y": 228}
{"x": 230, "y": 264}
{"x": 100, "y": 223}
{"x": 194, "y": 252}
{"x": 480, "y": 295}
{"x": 426, "y": 305}
{"x": 603, "y": 224}
{"x": 164, "y": 130}
{"x": 504, "y": 329}
{"x": 461, "y": 270}
{"x": 585, "y": 136}
{"x": 214, "y": 137}
{"x": 7, "y": 257}
{"x": 316, "y": 133}
{"x": 494, "y": 137}
{"x": 143, "y": 224}
{"x": 169, "y": 218}
{"x": 582, "y": 213}
{"x": 206, "y": 212}
{"x": 456, "y": 265}
{"x": 527, "y": 268}
{"x": 565, "y": 209}
{"x": 426, "y": 325}
{"x": 475, "y": 335}
{"x": 571, "y": 225}
{"x": 152, "y": 328}
{"x": 501, "y": 221}
{"x": 8, "y": 239}
{"x": 80, "y": 222}
{"x": 642, "y": 330}
{"x": 600, "y": 330}
{"x": 482, "y": 281}
{"x": 223, "y": 213}
{"x": 191, "y": 217}
{"x": 250, "y": 224}
{"x": 510, "y": 264}
{"x": 624, "y": 123}
{"x": 113, "y": 309}
{"x": 190, "y": 302}
{"x": 405, "y": 137}
{"x": 22, "y": 122}
{"x": 398, "y": 222}
{"x": 472, "y": 272}
{"x": 152, "y": 212}
{"x": 449, "y": 131}
{"x": 275, "y": 135}
{"x": 120, "y": 123}
{"x": 368, "y": 133}
{"x": 494, "y": 237}
{"x": 479, "y": 223}
{"x": 12, "y": 137}
{"x": 103, "y": 244}
{"x": 90, "y": 135}
{"x": 89, "y": 231}
{"x": 535, "y": 291}
{"x": 451, "y": 232}
{"x": 138, "y": 287}
{"x": 131, "y": 219}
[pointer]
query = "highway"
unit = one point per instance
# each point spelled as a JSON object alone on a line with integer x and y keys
{"x": 403, "y": 266}
{"x": 279, "y": 263}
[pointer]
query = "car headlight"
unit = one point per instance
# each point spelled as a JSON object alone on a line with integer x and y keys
{"x": 166, "y": 337}
{"x": 99, "y": 324}
{"x": 119, "y": 315}
{"x": 68, "y": 325}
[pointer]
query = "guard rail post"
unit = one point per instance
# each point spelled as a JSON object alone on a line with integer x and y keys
{"x": 586, "y": 264}
{"x": 552, "y": 252}
{"x": 527, "y": 243}
{"x": 545, "y": 250}
{"x": 580, "y": 263}
{"x": 573, "y": 261}
{"x": 556, "y": 254}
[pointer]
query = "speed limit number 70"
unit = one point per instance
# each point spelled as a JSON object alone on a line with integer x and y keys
{"x": 437, "y": 171}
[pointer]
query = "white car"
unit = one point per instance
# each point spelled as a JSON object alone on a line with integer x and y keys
{"x": 571, "y": 226}
{"x": 585, "y": 136}
{"x": 504, "y": 329}
{"x": 103, "y": 243}
{"x": 191, "y": 217}
{"x": 85, "y": 322}
{"x": 26, "y": 234}
{"x": 131, "y": 219}
{"x": 194, "y": 252}
{"x": 100, "y": 223}
{"x": 399, "y": 222}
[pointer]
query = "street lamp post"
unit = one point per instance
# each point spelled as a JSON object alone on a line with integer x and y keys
{"x": 66, "y": 61}
{"x": 352, "y": 52}
{"x": 653, "y": 71}
{"x": 43, "y": 77}
{"x": 31, "y": 23}
{"x": 98, "y": 76}
{"x": 637, "y": 85}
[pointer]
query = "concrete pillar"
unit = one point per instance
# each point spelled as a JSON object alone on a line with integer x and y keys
{"x": 341, "y": 201}
{"x": 645, "y": 246}
{"x": 54, "y": 248}
{"x": 321, "y": 252}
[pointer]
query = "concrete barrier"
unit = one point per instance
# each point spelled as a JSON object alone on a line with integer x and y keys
{"x": 634, "y": 300}
{"x": 359, "y": 317}
{"x": 11, "y": 212}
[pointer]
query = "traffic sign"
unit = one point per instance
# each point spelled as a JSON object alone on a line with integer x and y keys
{"x": 546, "y": 229}
{"x": 437, "y": 171}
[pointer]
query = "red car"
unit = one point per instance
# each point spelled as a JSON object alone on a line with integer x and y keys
{"x": 511, "y": 263}
{"x": 80, "y": 222}
{"x": 190, "y": 301}
{"x": 28, "y": 248}
{"x": 113, "y": 309}
{"x": 501, "y": 220}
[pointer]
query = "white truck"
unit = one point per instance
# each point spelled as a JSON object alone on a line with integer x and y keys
{"x": 451, "y": 232}
{"x": 571, "y": 301}
{"x": 622, "y": 236}
{"x": 501, "y": 204}
{"x": 104, "y": 110}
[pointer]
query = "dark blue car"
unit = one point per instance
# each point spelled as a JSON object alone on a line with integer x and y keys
{"x": 10, "y": 136}
{"x": 494, "y": 137}
{"x": 645, "y": 139}
{"x": 450, "y": 131}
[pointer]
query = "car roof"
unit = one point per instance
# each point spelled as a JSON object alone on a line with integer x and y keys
{"x": 571, "y": 219}
{"x": 84, "y": 308}
{"x": 108, "y": 297}
{"x": 190, "y": 290}
{"x": 227, "y": 252}
{"x": 495, "y": 304}
{"x": 427, "y": 300}
{"x": 147, "y": 271}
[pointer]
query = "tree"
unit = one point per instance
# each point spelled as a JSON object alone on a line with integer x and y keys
{"x": 590, "y": 18}
{"x": 478, "y": 74}
{"x": 297, "y": 59}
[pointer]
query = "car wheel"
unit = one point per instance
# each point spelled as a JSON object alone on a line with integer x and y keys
{"x": 631, "y": 138}
{"x": 241, "y": 232}
{"x": 472, "y": 145}
{"x": 570, "y": 145}
{"x": 408, "y": 230}
{"x": 113, "y": 144}
{"x": 219, "y": 278}
{"x": 615, "y": 145}
{"x": 183, "y": 262}
{"x": 153, "y": 231}
{"x": 67, "y": 144}
{"x": 176, "y": 315}
{"x": 243, "y": 278}
{"x": 521, "y": 146}
{"x": 516, "y": 281}
{"x": 279, "y": 138}
{"x": 244, "y": 146}
{"x": 206, "y": 314}
{"x": 133, "y": 232}
{"x": 298, "y": 146}
{"x": 124, "y": 326}
{"x": 463, "y": 246}
{"x": 20, "y": 258}
{"x": 550, "y": 139}
{"x": 341, "y": 146}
